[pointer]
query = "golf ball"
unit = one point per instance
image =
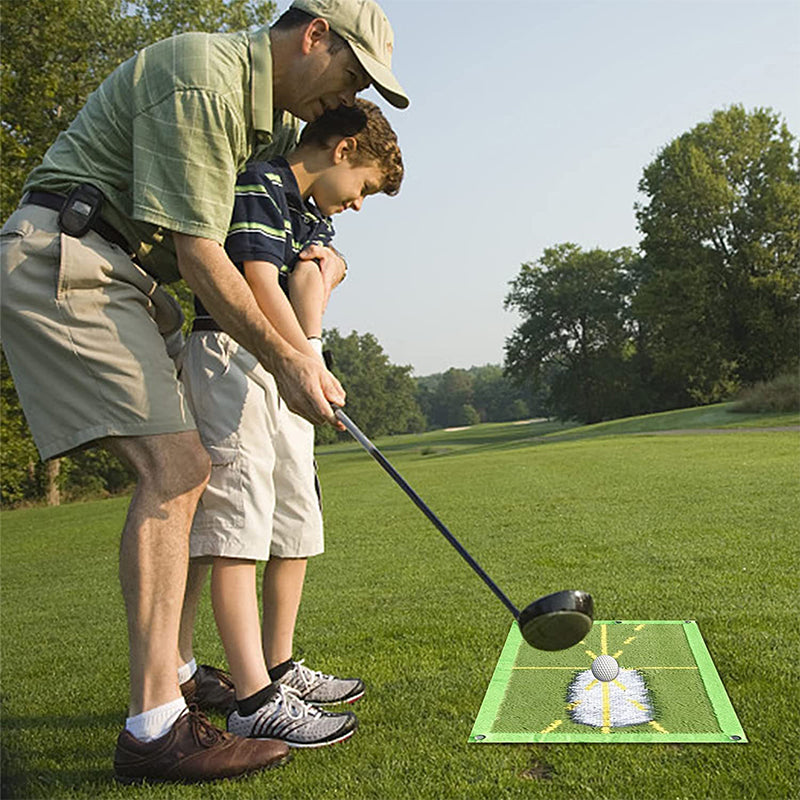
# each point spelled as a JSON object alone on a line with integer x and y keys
{"x": 605, "y": 668}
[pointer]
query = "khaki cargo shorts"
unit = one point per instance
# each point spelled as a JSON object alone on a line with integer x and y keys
{"x": 262, "y": 499}
{"x": 86, "y": 334}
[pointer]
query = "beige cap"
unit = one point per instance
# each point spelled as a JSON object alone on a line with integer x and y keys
{"x": 364, "y": 26}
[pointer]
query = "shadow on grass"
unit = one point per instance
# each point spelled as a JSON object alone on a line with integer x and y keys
{"x": 54, "y": 769}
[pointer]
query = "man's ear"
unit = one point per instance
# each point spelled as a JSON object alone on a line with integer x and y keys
{"x": 345, "y": 149}
{"x": 315, "y": 33}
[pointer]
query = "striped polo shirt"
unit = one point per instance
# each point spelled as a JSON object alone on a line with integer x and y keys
{"x": 165, "y": 135}
{"x": 271, "y": 222}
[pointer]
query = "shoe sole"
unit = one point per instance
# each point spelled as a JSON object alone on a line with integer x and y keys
{"x": 127, "y": 780}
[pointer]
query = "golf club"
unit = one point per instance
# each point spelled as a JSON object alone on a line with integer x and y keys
{"x": 553, "y": 622}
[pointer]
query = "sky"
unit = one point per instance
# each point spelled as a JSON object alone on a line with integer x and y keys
{"x": 530, "y": 124}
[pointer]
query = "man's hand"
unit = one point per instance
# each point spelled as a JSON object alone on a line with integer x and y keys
{"x": 309, "y": 389}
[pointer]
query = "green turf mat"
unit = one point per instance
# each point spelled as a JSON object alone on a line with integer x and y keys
{"x": 667, "y": 690}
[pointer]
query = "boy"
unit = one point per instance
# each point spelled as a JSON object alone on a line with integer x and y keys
{"x": 262, "y": 502}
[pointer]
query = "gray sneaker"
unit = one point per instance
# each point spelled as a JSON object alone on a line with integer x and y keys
{"x": 320, "y": 689}
{"x": 287, "y": 718}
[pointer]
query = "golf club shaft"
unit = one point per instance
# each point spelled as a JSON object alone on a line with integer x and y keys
{"x": 440, "y": 526}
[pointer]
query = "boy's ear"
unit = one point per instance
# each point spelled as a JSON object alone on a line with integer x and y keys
{"x": 345, "y": 149}
{"x": 315, "y": 33}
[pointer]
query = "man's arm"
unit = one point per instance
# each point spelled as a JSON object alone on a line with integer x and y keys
{"x": 304, "y": 383}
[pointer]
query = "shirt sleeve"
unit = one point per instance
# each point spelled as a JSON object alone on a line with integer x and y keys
{"x": 184, "y": 163}
{"x": 259, "y": 226}
{"x": 324, "y": 233}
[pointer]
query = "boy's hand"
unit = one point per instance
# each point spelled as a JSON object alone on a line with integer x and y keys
{"x": 332, "y": 266}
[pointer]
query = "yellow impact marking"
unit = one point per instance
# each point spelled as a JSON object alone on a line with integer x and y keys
{"x": 629, "y": 640}
{"x": 658, "y": 727}
{"x": 591, "y": 655}
{"x": 573, "y": 705}
{"x": 606, "y": 708}
{"x": 620, "y": 686}
{"x": 635, "y": 703}
{"x": 605, "y": 729}
{"x": 638, "y": 627}
{"x": 604, "y": 639}
{"x": 552, "y": 726}
{"x": 591, "y": 685}
{"x": 617, "y": 654}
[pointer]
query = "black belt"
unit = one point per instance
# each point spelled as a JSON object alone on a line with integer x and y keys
{"x": 205, "y": 324}
{"x": 55, "y": 202}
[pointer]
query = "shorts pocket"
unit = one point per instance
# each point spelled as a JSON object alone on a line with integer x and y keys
{"x": 16, "y": 226}
{"x": 222, "y": 503}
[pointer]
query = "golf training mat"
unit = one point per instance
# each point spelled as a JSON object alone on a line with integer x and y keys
{"x": 667, "y": 690}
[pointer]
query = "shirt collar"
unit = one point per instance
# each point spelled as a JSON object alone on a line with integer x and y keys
{"x": 290, "y": 188}
{"x": 261, "y": 83}
{"x": 292, "y": 191}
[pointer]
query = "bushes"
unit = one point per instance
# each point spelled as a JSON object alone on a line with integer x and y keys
{"x": 780, "y": 394}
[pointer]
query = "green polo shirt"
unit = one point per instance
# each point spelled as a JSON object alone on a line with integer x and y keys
{"x": 166, "y": 134}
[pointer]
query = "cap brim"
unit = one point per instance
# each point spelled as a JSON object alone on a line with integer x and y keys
{"x": 382, "y": 77}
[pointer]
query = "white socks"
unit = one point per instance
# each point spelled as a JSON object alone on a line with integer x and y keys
{"x": 186, "y": 671}
{"x": 155, "y": 723}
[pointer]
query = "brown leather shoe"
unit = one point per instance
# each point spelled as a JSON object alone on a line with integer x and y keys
{"x": 194, "y": 750}
{"x": 210, "y": 689}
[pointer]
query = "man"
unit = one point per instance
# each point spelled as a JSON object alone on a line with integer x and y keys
{"x": 138, "y": 191}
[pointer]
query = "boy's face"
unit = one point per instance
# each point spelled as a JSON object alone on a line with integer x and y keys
{"x": 345, "y": 185}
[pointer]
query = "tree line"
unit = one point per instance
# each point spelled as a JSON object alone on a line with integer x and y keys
{"x": 709, "y": 303}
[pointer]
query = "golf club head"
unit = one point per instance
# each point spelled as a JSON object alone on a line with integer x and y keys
{"x": 557, "y": 621}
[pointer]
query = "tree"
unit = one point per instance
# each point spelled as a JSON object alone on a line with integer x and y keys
{"x": 381, "y": 396}
{"x": 451, "y": 399}
{"x": 577, "y": 333}
{"x": 53, "y": 56}
{"x": 496, "y": 397}
{"x": 20, "y": 473}
{"x": 719, "y": 293}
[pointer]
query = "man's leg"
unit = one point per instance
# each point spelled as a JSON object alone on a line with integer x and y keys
{"x": 172, "y": 470}
{"x": 282, "y": 591}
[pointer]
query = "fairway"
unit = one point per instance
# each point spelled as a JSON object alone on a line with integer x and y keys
{"x": 656, "y": 527}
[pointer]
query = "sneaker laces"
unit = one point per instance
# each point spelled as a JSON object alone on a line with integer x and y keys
{"x": 205, "y": 733}
{"x": 310, "y": 677}
{"x": 294, "y": 705}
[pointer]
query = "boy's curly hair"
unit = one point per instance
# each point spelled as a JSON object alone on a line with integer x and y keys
{"x": 377, "y": 142}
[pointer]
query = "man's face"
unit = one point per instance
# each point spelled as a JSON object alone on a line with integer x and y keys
{"x": 345, "y": 186}
{"x": 326, "y": 80}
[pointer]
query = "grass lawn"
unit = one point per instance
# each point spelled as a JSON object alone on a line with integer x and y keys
{"x": 700, "y": 526}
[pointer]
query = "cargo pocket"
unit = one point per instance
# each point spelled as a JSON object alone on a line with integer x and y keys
{"x": 222, "y": 503}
